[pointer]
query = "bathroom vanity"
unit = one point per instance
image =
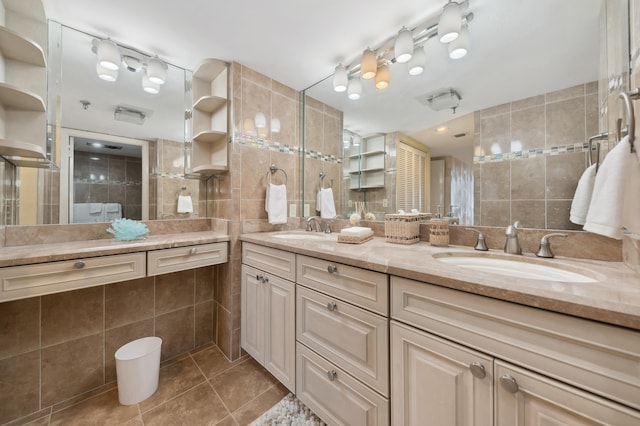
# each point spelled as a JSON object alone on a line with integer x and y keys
{"x": 388, "y": 334}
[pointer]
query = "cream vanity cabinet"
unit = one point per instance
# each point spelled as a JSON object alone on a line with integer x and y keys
{"x": 342, "y": 333}
{"x": 181, "y": 258}
{"x": 268, "y": 310}
{"x": 461, "y": 358}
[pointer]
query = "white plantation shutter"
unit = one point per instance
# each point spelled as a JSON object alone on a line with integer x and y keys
{"x": 411, "y": 178}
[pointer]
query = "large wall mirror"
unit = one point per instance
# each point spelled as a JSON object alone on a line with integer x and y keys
{"x": 119, "y": 140}
{"x": 513, "y": 148}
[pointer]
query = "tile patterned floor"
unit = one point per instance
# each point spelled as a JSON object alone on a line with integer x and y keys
{"x": 199, "y": 388}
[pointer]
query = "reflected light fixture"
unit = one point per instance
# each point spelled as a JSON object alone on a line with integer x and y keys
{"x": 275, "y": 125}
{"x": 340, "y": 78}
{"x": 260, "y": 120}
{"x": 355, "y": 88}
{"x": 459, "y": 47}
{"x": 108, "y": 55}
{"x": 383, "y": 76}
{"x": 106, "y": 74}
{"x": 450, "y": 22}
{"x": 403, "y": 48}
{"x": 369, "y": 64}
{"x": 157, "y": 71}
{"x": 418, "y": 61}
{"x": 149, "y": 86}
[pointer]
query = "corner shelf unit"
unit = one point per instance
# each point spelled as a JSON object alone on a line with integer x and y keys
{"x": 23, "y": 86}
{"x": 210, "y": 144}
{"x": 366, "y": 167}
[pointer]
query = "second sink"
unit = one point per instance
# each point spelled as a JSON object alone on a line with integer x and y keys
{"x": 521, "y": 267}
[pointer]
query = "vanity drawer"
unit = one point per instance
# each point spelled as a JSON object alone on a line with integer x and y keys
{"x": 361, "y": 287}
{"x": 279, "y": 262}
{"x": 333, "y": 395}
{"x": 353, "y": 338}
{"x": 597, "y": 357}
{"x": 19, "y": 282}
{"x": 189, "y": 257}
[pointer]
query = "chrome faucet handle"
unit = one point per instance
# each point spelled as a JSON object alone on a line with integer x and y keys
{"x": 481, "y": 245}
{"x": 511, "y": 244}
{"x": 544, "y": 249}
{"x": 318, "y": 224}
{"x": 327, "y": 229}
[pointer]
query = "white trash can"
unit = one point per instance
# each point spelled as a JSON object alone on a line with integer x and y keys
{"x": 138, "y": 369}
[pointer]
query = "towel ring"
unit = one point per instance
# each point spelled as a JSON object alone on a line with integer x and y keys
{"x": 321, "y": 184}
{"x": 184, "y": 191}
{"x": 272, "y": 170}
{"x": 627, "y": 97}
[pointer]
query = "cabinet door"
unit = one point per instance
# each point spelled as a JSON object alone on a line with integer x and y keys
{"x": 252, "y": 313}
{"x": 279, "y": 311}
{"x": 436, "y": 382}
{"x": 526, "y": 398}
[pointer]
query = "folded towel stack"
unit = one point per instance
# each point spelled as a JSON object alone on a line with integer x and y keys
{"x": 614, "y": 202}
{"x": 356, "y": 231}
{"x": 276, "y": 204}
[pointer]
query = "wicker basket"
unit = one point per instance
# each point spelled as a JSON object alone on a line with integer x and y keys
{"x": 355, "y": 239}
{"x": 403, "y": 228}
{"x": 439, "y": 232}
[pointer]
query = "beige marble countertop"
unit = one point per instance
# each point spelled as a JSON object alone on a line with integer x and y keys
{"x": 50, "y": 252}
{"x": 614, "y": 298}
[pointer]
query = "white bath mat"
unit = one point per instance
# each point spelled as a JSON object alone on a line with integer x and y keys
{"x": 288, "y": 412}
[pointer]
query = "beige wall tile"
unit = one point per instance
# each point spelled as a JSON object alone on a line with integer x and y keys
{"x": 314, "y": 130}
{"x": 563, "y": 173}
{"x": 176, "y": 329}
{"x": 497, "y": 186}
{"x": 495, "y": 213}
{"x": 255, "y": 77}
{"x": 71, "y": 314}
{"x": 128, "y": 302}
{"x": 528, "y": 179}
{"x": 496, "y": 133}
{"x": 566, "y": 122}
{"x": 223, "y": 333}
{"x": 568, "y": 93}
{"x": 528, "y": 127}
{"x": 530, "y": 213}
{"x": 525, "y": 103}
{"x": 204, "y": 284}
{"x": 71, "y": 368}
{"x": 19, "y": 386}
{"x": 204, "y": 323}
{"x": 558, "y": 215}
{"x": 175, "y": 291}
{"x": 285, "y": 109}
{"x": 19, "y": 327}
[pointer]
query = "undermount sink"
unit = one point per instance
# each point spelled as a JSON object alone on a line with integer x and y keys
{"x": 520, "y": 267}
{"x": 298, "y": 236}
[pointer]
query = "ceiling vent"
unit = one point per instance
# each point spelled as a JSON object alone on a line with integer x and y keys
{"x": 460, "y": 135}
{"x": 130, "y": 114}
{"x": 440, "y": 100}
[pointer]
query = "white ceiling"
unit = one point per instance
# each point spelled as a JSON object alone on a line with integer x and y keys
{"x": 519, "y": 47}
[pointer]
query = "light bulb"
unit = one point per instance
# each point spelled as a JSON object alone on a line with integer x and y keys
{"x": 149, "y": 86}
{"x": 157, "y": 71}
{"x": 450, "y": 22}
{"x": 340, "y": 78}
{"x": 106, "y": 74}
{"x": 382, "y": 77}
{"x": 355, "y": 88}
{"x": 108, "y": 55}
{"x": 459, "y": 47}
{"x": 369, "y": 64}
{"x": 403, "y": 48}
{"x": 418, "y": 61}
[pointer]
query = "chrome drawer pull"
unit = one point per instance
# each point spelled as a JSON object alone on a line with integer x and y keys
{"x": 332, "y": 269}
{"x": 509, "y": 383}
{"x": 332, "y": 306}
{"x": 193, "y": 251}
{"x": 477, "y": 370}
{"x": 79, "y": 264}
{"x": 332, "y": 375}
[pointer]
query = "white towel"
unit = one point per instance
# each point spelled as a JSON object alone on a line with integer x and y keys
{"x": 275, "y": 204}
{"x": 113, "y": 211}
{"x": 612, "y": 203}
{"x": 95, "y": 208}
{"x": 185, "y": 204}
{"x": 327, "y": 205}
{"x": 582, "y": 197}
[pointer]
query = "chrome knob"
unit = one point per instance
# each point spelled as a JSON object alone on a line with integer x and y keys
{"x": 193, "y": 251}
{"x": 477, "y": 370}
{"x": 258, "y": 277}
{"x": 79, "y": 264}
{"x": 332, "y": 375}
{"x": 509, "y": 383}
{"x": 332, "y": 269}
{"x": 265, "y": 279}
{"x": 332, "y": 306}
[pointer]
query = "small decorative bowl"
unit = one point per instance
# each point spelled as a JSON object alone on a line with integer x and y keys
{"x": 127, "y": 229}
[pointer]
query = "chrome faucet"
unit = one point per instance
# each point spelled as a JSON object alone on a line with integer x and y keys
{"x": 512, "y": 245}
{"x": 544, "y": 249}
{"x": 481, "y": 245}
{"x": 318, "y": 223}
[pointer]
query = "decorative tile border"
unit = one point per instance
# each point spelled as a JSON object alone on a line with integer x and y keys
{"x": 270, "y": 145}
{"x": 535, "y": 152}
{"x": 108, "y": 182}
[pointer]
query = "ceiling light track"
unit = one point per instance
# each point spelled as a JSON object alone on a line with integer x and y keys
{"x": 407, "y": 46}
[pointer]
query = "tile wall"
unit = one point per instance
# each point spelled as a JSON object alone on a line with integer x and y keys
{"x": 529, "y": 156}
{"x": 58, "y": 347}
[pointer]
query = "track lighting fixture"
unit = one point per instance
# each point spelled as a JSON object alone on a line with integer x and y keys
{"x": 369, "y": 64}
{"x": 111, "y": 56}
{"x": 451, "y": 28}
{"x": 340, "y": 79}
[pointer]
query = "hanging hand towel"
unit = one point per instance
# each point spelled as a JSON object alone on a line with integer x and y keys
{"x": 630, "y": 215}
{"x": 185, "y": 204}
{"x": 327, "y": 205}
{"x": 276, "y": 204}
{"x": 582, "y": 197}
{"x": 619, "y": 170}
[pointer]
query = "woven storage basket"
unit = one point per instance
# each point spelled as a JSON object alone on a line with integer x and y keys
{"x": 403, "y": 228}
{"x": 439, "y": 232}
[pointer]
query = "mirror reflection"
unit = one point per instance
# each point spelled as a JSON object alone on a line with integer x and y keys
{"x": 513, "y": 144}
